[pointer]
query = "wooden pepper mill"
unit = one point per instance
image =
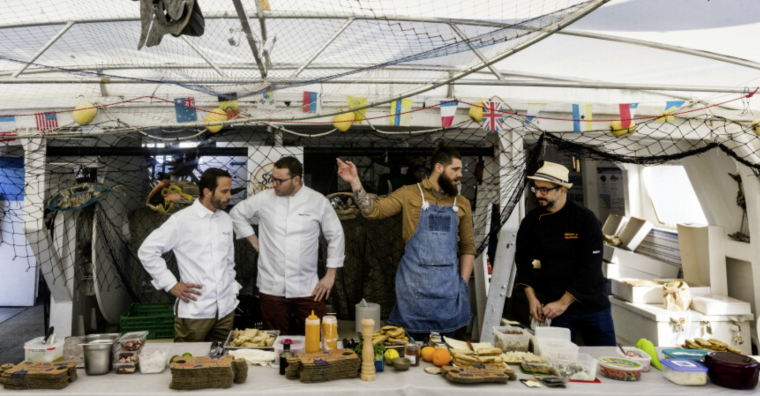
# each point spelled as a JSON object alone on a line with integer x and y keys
{"x": 368, "y": 351}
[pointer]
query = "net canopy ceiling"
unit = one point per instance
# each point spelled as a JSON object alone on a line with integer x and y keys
{"x": 378, "y": 49}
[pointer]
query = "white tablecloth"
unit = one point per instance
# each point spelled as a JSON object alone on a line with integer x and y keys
{"x": 267, "y": 381}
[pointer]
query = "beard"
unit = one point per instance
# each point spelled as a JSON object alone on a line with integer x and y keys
{"x": 219, "y": 204}
{"x": 448, "y": 185}
{"x": 545, "y": 203}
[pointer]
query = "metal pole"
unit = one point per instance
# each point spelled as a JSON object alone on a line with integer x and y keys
{"x": 476, "y": 51}
{"x": 263, "y": 26}
{"x": 44, "y": 48}
{"x": 470, "y": 82}
{"x": 249, "y": 35}
{"x": 203, "y": 55}
{"x": 323, "y": 47}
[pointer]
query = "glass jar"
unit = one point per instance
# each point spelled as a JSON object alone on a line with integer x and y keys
{"x": 412, "y": 352}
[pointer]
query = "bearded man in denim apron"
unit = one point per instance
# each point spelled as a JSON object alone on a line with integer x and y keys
{"x": 431, "y": 290}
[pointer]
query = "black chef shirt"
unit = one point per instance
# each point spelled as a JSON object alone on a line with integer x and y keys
{"x": 569, "y": 245}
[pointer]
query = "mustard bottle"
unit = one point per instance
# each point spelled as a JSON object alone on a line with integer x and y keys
{"x": 312, "y": 333}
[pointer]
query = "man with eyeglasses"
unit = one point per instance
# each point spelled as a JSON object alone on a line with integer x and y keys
{"x": 566, "y": 240}
{"x": 291, "y": 217}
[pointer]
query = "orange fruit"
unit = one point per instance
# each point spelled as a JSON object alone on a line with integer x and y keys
{"x": 441, "y": 357}
{"x": 427, "y": 353}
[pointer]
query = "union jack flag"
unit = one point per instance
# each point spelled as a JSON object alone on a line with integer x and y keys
{"x": 492, "y": 114}
{"x": 46, "y": 121}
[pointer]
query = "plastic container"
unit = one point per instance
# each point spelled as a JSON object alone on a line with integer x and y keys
{"x": 553, "y": 332}
{"x": 329, "y": 333}
{"x": 125, "y": 368}
{"x": 297, "y": 344}
{"x": 312, "y": 333}
{"x": 695, "y": 355}
{"x": 731, "y": 370}
{"x": 36, "y": 352}
{"x": 132, "y": 341}
{"x": 154, "y": 358}
{"x": 684, "y": 372}
{"x": 122, "y": 356}
{"x": 581, "y": 368}
{"x": 511, "y": 339}
{"x": 641, "y": 357}
{"x": 544, "y": 368}
{"x": 620, "y": 369}
{"x": 554, "y": 347}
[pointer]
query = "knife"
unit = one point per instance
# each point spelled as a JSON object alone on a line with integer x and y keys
{"x": 47, "y": 335}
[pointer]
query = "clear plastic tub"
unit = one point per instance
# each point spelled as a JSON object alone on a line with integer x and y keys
{"x": 621, "y": 369}
{"x": 684, "y": 372}
{"x": 553, "y": 332}
{"x": 511, "y": 339}
{"x": 36, "y": 352}
{"x": 297, "y": 344}
{"x": 132, "y": 341}
{"x": 154, "y": 358}
{"x": 122, "y": 356}
{"x": 695, "y": 355}
{"x": 581, "y": 368}
{"x": 640, "y": 357}
{"x": 555, "y": 347}
{"x": 537, "y": 368}
{"x": 125, "y": 368}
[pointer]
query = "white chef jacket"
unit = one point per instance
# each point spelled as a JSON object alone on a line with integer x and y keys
{"x": 202, "y": 242}
{"x": 289, "y": 239}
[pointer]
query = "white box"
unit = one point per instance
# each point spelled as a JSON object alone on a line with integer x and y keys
{"x": 614, "y": 224}
{"x": 640, "y": 263}
{"x": 648, "y": 295}
{"x": 655, "y": 323}
{"x": 634, "y": 231}
{"x": 720, "y": 305}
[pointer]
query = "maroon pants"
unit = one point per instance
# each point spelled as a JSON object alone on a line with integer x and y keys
{"x": 277, "y": 310}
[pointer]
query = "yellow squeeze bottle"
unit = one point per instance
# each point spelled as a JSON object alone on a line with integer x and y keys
{"x": 312, "y": 333}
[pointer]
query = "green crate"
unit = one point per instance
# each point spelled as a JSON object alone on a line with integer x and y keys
{"x": 157, "y": 318}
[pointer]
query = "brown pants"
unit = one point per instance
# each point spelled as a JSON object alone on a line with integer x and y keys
{"x": 200, "y": 330}
{"x": 277, "y": 310}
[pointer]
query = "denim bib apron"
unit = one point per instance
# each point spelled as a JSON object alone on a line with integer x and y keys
{"x": 430, "y": 293}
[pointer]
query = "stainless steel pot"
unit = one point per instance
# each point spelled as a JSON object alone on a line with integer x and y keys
{"x": 98, "y": 352}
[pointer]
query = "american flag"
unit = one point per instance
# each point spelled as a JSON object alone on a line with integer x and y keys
{"x": 492, "y": 116}
{"x": 46, "y": 121}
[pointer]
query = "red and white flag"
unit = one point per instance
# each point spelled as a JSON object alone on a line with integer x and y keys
{"x": 627, "y": 113}
{"x": 46, "y": 121}
{"x": 448, "y": 111}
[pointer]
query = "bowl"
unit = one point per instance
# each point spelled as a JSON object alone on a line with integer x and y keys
{"x": 401, "y": 364}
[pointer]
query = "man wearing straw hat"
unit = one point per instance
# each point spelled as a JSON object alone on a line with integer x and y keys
{"x": 566, "y": 241}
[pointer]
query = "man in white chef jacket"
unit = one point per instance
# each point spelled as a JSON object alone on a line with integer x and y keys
{"x": 201, "y": 238}
{"x": 291, "y": 216}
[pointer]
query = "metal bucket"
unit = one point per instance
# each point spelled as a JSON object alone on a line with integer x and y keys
{"x": 98, "y": 352}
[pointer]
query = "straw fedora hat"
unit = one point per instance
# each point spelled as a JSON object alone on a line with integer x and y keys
{"x": 553, "y": 173}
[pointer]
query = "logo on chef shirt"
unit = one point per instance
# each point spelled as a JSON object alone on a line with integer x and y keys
{"x": 571, "y": 235}
{"x": 304, "y": 214}
{"x": 227, "y": 233}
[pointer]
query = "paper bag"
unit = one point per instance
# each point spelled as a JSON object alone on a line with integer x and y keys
{"x": 676, "y": 296}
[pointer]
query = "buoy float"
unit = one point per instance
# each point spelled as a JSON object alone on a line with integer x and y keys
{"x": 343, "y": 121}
{"x": 215, "y": 116}
{"x": 617, "y": 130}
{"x": 84, "y": 113}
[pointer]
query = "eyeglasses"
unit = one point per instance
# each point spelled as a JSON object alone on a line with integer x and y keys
{"x": 542, "y": 190}
{"x": 280, "y": 181}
